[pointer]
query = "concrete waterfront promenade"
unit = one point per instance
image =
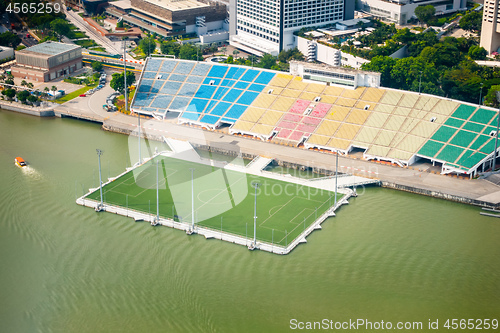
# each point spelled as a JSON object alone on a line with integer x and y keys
{"x": 479, "y": 192}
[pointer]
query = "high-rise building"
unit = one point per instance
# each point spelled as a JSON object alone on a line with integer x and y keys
{"x": 267, "y": 26}
{"x": 490, "y": 31}
{"x": 400, "y": 11}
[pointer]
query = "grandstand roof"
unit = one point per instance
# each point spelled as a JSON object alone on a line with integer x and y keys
{"x": 392, "y": 125}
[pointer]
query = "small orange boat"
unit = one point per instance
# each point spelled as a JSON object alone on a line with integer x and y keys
{"x": 20, "y": 162}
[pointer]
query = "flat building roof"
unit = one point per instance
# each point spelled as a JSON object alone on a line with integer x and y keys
{"x": 176, "y": 5}
{"x": 52, "y": 48}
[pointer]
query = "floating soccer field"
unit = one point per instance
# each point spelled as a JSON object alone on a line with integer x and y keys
{"x": 223, "y": 199}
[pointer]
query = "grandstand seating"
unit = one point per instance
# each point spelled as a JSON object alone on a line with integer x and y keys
{"x": 389, "y": 124}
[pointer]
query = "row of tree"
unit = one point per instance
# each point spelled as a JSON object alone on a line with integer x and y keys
{"x": 447, "y": 68}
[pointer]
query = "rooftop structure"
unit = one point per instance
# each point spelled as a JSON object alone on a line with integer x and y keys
{"x": 51, "y": 48}
{"x": 386, "y": 124}
{"x": 400, "y": 11}
{"x": 262, "y": 27}
{"x": 169, "y": 18}
{"x": 490, "y": 32}
{"x": 47, "y": 61}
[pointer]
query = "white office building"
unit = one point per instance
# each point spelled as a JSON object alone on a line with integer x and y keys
{"x": 490, "y": 32}
{"x": 267, "y": 26}
{"x": 400, "y": 11}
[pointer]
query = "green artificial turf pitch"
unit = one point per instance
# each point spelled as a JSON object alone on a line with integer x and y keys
{"x": 220, "y": 196}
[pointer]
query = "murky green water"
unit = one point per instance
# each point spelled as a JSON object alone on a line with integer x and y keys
{"x": 389, "y": 255}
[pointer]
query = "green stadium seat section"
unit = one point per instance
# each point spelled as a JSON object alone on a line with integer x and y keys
{"x": 450, "y": 153}
{"x": 444, "y": 133}
{"x": 482, "y": 116}
{"x": 473, "y": 127}
{"x": 454, "y": 122}
{"x": 430, "y": 148}
{"x": 470, "y": 158}
{"x": 463, "y": 138}
{"x": 463, "y": 111}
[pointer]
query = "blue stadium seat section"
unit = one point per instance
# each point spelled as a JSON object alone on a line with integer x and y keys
{"x": 247, "y": 97}
{"x": 157, "y": 86}
{"x": 197, "y": 105}
{"x": 149, "y": 75}
{"x": 217, "y": 71}
{"x": 208, "y": 119}
{"x": 162, "y": 102}
{"x": 235, "y": 112}
{"x": 232, "y": 95}
{"x": 142, "y": 99}
{"x": 220, "y": 109}
{"x": 184, "y": 68}
{"x": 188, "y": 90}
{"x": 264, "y": 77}
{"x": 166, "y": 67}
{"x": 145, "y": 85}
{"x": 204, "y": 93}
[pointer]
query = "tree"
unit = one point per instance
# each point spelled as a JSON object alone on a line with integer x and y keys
{"x": 491, "y": 97}
{"x": 118, "y": 81}
{"x": 9, "y": 39}
{"x": 32, "y": 99}
{"x": 267, "y": 61}
{"x": 53, "y": 88}
{"x": 383, "y": 65}
{"x": 170, "y": 47}
{"x": 96, "y": 66}
{"x": 23, "y": 83}
{"x": 471, "y": 21}
{"x": 60, "y": 26}
{"x": 189, "y": 52}
{"x": 223, "y": 50}
{"x": 477, "y": 52}
{"x": 9, "y": 93}
{"x": 425, "y": 13}
{"x": 22, "y": 96}
{"x": 235, "y": 53}
{"x": 29, "y": 85}
{"x": 9, "y": 81}
{"x": 147, "y": 45}
{"x": 119, "y": 24}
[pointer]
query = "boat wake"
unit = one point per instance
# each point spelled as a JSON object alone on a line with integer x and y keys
{"x": 32, "y": 173}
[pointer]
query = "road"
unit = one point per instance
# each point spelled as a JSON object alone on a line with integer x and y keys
{"x": 110, "y": 47}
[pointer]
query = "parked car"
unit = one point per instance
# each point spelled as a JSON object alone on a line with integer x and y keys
{"x": 83, "y": 95}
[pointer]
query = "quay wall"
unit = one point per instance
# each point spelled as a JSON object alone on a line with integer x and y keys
{"x": 440, "y": 195}
{"x": 33, "y": 111}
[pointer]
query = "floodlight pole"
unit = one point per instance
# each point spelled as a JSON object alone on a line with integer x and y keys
{"x": 336, "y": 174}
{"x": 496, "y": 142}
{"x": 157, "y": 196}
{"x": 192, "y": 198}
{"x": 496, "y": 136}
{"x": 480, "y": 94}
{"x": 255, "y": 185}
{"x": 139, "y": 136}
{"x": 125, "y": 71}
{"x": 99, "y": 153}
{"x": 420, "y": 83}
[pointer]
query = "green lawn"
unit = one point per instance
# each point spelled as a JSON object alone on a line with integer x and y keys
{"x": 98, "y": 48}
{"x": 74, "y": 94}
{"x": 86, "y": 43}
{"x": 220, "y": 196}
